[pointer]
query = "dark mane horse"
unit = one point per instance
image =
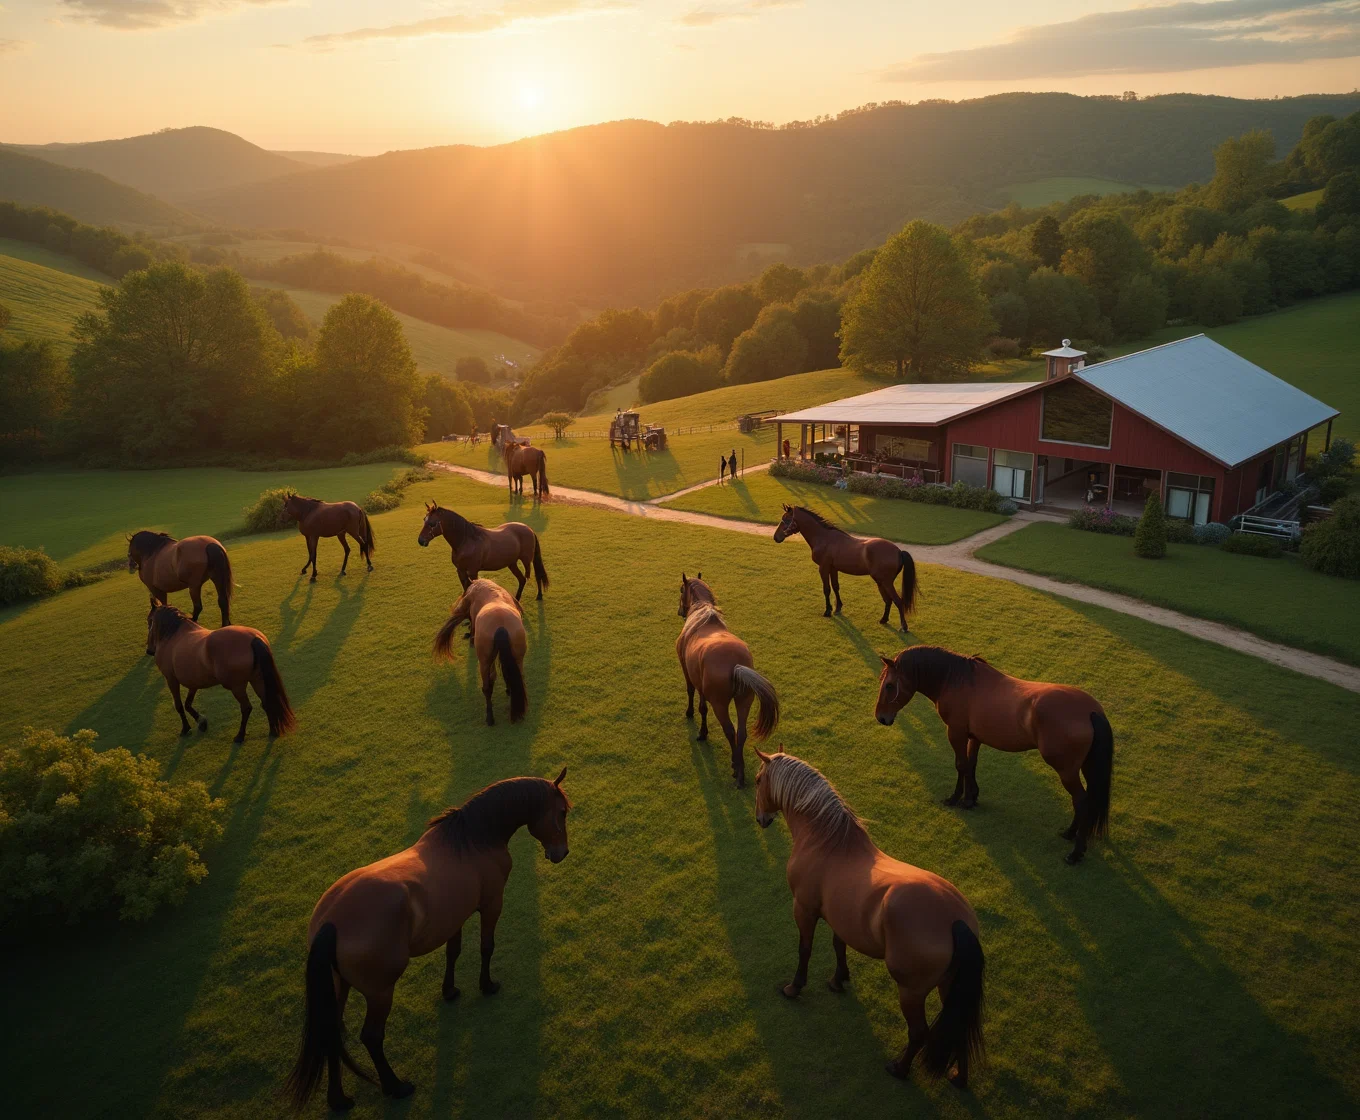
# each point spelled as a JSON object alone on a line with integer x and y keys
{"x": 520, "y": 459}
{"x": 165, "y": 565}
{"x": 316, "y": 518}
{"x": 476, "y": 548}
{"x": 488, "y": 819}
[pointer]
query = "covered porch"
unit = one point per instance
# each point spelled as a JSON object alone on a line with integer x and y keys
{"x": 1067, "y": 484}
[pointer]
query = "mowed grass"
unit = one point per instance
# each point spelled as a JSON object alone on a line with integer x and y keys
{"x": 81, "y": 517}
{"x": 760, "y": 497}
{"x": 44, "y": 301}
{"x": 1278, "y": 599}
{"x": 1060, "y": 188}
{"x": 1202, "y": 962}
{"x": 38, "y": 254}
{"x": 1306, "y": 201}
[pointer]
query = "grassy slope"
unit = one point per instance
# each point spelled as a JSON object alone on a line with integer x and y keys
{"x": 758, "y": 497}
{"x": 1278, "y": 599}
{"x": 1041, "y": 192}
{"x": 1200, "y": 963}
{"x": 1306, "y": 201}
{"x": 80, "y": 517}
{"x": 37, "y": 254}
{"x": 45, "y": 302}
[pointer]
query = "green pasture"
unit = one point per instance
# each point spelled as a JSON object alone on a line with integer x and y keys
{"x": 38, "y": 254}
{"x": 760, "y": 497}
{"x": 1060, "y": 188}
{"x": 1278, "y": 599}
{"x": 81, "y": 517}
{"x": 1306, "y": 201}
{"x": 45, "y": 301}
{"x": 1202, "y": 962}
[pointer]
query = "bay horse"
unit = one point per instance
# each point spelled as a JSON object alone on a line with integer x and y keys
{"x": 981, "y": 706}
{"x": 477, "y": 549}
{"x": 835, "y": 551}
{"x": 316, "y": 519}
{"x": 371, "y": 922}
{"x": 916, "y": 922}
{"x": 234, "y": 656}
{"x": 718, "y": 665}
{"x": 520, "y": 460}
{"x": 165, "y": 564}
{"x": 497, "y": 632}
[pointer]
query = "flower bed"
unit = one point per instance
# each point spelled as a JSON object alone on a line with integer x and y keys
{"x": 959, "y": 496}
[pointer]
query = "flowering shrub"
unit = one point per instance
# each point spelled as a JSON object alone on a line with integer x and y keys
{"x": 960, "y": 495}
{"x": 1211, "y": 533}
{"x": 804, "y": 472}
{"x": 1102, "y": 520}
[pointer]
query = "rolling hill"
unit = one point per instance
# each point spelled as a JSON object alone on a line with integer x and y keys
{"x": 45, "y": 301}
{"x": 317, "y": 159}
{"x": 86, "y": 195}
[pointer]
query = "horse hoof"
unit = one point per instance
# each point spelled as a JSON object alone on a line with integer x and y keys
{"x": 400, "y": 1090}
{"x": 826, "y": 613}
{"x": 341, "y": 1103}
{"x": 186, "y": 730}
{"x": 492, "y": 988}
{"x": 783, "y": 990}
{"x": 491, "y": 721}
{"x": 203, "y": 725}
{"x": 312, "y": 580}
{"x": 450, "y": 994}
{"x": 1068, "y": 833}
{"x": 968, "y": 805}
{"x": 835, "y": 985}
{"x": 702, "y": 737}
{"x": 1073, "y": 858}
{"x": 950, "y": 801}
{"x": 239, "y": 739}
{"x": 898, "y": 1070}
{"x": 958, "y": 1081}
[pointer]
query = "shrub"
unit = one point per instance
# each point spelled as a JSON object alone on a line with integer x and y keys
{"x": 1007, "y": 507}
{"x": 1333, "y": 546}
{"x": 963, "y": 496}
{"x": 1179, "y": 531}
{"x": 1149, "y": 539}
{"x": 27, "y": 573}
{"x": 83, "y": 831}
{"x": 1102, "y": 520}
{"x": 559, "y": 422}
{"x": 1213, "y": 533}
{"x": 1331, "y": 488}
{"x": 1004, "y": 348}
{"x": 1252, "y": 544}
{"x": 804, "y": 472}
{"x": 1336, "y": 460}
{"x": 380, "y": 501}
{"x": 266, "y": 514}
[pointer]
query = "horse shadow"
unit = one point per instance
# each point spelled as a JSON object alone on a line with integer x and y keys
{"x": 308, "y": 668}
{"x": 131, "y": 702}
{"x": 638, "y": 470}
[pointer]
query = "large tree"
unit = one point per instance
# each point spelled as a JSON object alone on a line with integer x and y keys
{"x": 773, "y": 347}
{"x": 33, "y": 392}
{"x": 1244, "y": 170}
{"x": 918, "y": 310}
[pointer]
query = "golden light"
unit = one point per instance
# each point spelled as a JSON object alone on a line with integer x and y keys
{"x": 530, "y": 96}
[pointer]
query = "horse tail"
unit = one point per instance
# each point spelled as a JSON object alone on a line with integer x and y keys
{"x": 908, "y": 580}
{"x": 219, "y": 571}
{"x": 542, "y": 473}
{"x": 540, "y": 572}
{"x": 321, "y": 1039}
{"x": 514, "y": 679}
{"x": 366, "y": 542}
{"x": 276, "y": 706}
{"x": 746, "y": 682}
{"x": 1099, "y": 768}
{"x": 956, "y": 1033}
{"x": 443, "y": 641}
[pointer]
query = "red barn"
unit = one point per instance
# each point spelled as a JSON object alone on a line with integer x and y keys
{"x": 1213, "y": 433}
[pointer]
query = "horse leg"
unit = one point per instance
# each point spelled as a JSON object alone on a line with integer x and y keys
{"x": 1080, "y": 828}
{"x": 244, "y": 701}
{"x": 959, "y": 741}
{"x": 311, "y": 556}
{"x": 189, "y": 707}
{"x": 345, "y": 545}
{"x": 970, "y": 786}
{"x": 488, "y": 686}
{"x": 689, "y": 688}
{"x": 842, "y": 973}
{"x": 452, "y": 948}
{"x": 372, "y": 1034}
{"x": 889, "y": 598}
{"x": 311, "y": 552}
{"x": 491, "y": 914}
{"x": 703, "y": 717}
{"x": 826, "y": 591}
{"x": 336, "y": 1098}
{"x": 806, "y": 919}
{"x": 179, "y": 704}
{"x": 836, "y": 587}
{"x": 735, "y": 742}
{"x": 913, "y": 1006}
{"x": 523, "y": 577}
{"x": 196, "y": 594}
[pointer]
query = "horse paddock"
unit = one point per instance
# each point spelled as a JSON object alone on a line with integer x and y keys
{"x": 1201, "y": 960}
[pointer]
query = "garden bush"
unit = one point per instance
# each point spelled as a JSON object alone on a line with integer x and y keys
{"x": 804, "y": 472}
{"x": 960, "y": 495}
{"x": 84, "y": 831}
{"x": 1212, "y": 533}
{"x": 1095, "y": 519}
{"x": 1252, "y": 544}
{"x": 266, "y": 514}
{"x": 1179, "y": 531}
{"x": 1004, "y": 347}
{"x": 1149, "y": 538}
{"x": 380, "y": 501}
{"x": 1332, "y": 488}
{"x": 27, "y": 573}
{"x": 1333, "y": 546}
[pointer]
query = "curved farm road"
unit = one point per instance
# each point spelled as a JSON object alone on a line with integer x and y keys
{"x": 959, "y": 555}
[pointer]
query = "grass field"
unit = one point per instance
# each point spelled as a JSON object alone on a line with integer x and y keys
{"x": 1306, "y": 201}
{"x": 37, "y": 254}
{"x": 81, "y": 517}
{"x": 45, "y": 302}
{"x": 759, "y": 497}
{"x": 1203, "y": 962}
{"x": 1041, "y": 192}
{"x": 1278, "y": 599}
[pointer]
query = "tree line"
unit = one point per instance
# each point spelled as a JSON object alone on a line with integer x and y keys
{"x": 101, "y": 247}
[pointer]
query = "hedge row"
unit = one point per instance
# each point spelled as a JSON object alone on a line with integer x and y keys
{"x": 959, "y": 496}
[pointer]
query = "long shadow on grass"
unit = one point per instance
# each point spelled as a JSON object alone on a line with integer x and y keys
{"x": 637, "y": 470}
{"x": 308, "y": 667}
{"x": 131, "y": 703}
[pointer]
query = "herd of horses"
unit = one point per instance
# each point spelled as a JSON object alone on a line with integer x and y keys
{"x": 370, "y": 923}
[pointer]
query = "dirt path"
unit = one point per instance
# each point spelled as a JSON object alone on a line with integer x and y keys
{"x": 959, "y": 555}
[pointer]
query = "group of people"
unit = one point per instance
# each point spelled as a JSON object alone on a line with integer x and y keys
{"x": 727, "y": 466}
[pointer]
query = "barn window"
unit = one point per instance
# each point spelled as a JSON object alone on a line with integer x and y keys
{"x": 1189, "y": 496}
{"x": 970, "y": 464}
{"x": 1012, "y": 472}
{"x": 1076, "y": 413}
{"x": 903, "y": 447}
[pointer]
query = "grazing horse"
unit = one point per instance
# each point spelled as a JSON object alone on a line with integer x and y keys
{"x": 370, "y": 923}
{"x": 520, "y": 460}
{"x": 478, "y": 549}
{"x": 497, "y": 632}
{"x": 981, "y": 705}
{"x": 917, "y": 923}
{"x": 719, "y": 666}
{"x": 165, "y": 564}
{"x": 835, "y": 551}
{"x": 235, "y": 656}
{"x": 316, "y": 518}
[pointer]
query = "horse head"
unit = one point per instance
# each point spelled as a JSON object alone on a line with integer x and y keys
{"x": 550, "y": 828}
{"x": 788, "y": 525}
{"x": 432, "y": 526}
{"x": 292, "y": 506}
{"x": 896, "y": 687}
{"x": 692, "y": 591}
{"x": 766, "y": 808}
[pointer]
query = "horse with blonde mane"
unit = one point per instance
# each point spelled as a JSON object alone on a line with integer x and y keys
{"x": 476, "y": 548}
{"x": 718, "y": 665}
{"x": 521, "y": 459}
{"x": 916, "y": 922}
{"x": 316, "y": 519}
{"x": 165, "y": 564}
{"x": 497, "y": 632}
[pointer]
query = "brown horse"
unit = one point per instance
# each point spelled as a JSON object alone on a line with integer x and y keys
{"x": 917, "y": 923}
{"x": 981, "y": 705}
{"x": 835, "y": 551}
{"x": 316, "y": 519}
{"x": 165, "y": 564}
{"x": 520, "y": 459}
{"x": 719, "y": 666}
{"x": 497, "y": 632}
{"x": 370, "y": 923}
{"x": 478, "y": 549}
{"x": 235, "y": 656}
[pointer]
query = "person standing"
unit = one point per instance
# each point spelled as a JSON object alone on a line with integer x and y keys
{"x": 732, "y": 465}
{"x": 722, "y": 469}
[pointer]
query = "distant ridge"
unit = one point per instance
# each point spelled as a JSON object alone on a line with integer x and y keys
{"x": 86, "y": 195}
{"x": 318, "y": 159}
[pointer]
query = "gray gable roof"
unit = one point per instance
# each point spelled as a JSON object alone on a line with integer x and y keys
{"x": 1213, "y": 399}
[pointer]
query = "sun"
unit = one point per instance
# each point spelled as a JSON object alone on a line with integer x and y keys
{"x": 530, "y": 96}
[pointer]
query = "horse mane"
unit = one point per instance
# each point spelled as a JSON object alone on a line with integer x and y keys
{"x": 933, "y": 668}
{"x": 489, "y": 818}
{"x": 463, "y": 529}
{"x": 148, "y": 542}
{"x": 822, "y": 521}
{"x": 309, "y": 503}
{"x": 701, "y": 614}
{"x": 168, "y": 620}
{"x": 798, "y": 786}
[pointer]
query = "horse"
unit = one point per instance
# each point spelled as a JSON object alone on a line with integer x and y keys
{"x": 521, "y": 459}
{"x": 371, "y": 922}
{"x": 478, "y": 549}
{"x": 719, "y": 666}
{"x": 316, "y": 518}
{"x": 500, "y": 636}
{"x": 193, "y": 656}
{"x": 982, "y": 705}
{"x": 835, "y": 551}
{"x": 916, "y": 922}
{"x": 165, "y": 564}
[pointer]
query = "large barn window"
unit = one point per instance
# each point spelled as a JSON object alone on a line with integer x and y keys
{"x": 903, "y": 447}
{"x": 970, "y": 464}
{"x": 1076, "y": 413}
{"x": 1012, "y": 472}
{"x": 1189, "y": 496}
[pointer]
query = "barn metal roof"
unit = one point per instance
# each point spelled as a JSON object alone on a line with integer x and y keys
{"x": 909, "y": 404}
{"x": 1210, "y": 397}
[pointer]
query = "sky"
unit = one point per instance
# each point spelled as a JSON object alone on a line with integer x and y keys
{"x": 363, "y": 77}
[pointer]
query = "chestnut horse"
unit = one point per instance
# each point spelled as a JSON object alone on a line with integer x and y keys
{"x": 316, "y": 518}
{"x": 983, "y": 706}
{"x": 719, "y": 666}
{"x": 497, "y": 632}
{"x": 235, "y": 656}
{"x": 478, "y": 549}
{"x": 370, "y": 923}
{"x": 165, "y": 564}
{"x": 520, "y": 459}
{"x": 835, "y": 551}
{"x": 917, "y": 923}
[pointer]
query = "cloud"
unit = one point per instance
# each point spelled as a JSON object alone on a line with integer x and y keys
{"x": 748, "y": 9}
{"x": 1192, "y": 35}
{"x": 11, "y": 46}
{"x": 470, "y": 22}
{"x": 141, "y": 15}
